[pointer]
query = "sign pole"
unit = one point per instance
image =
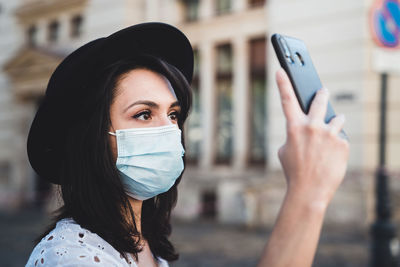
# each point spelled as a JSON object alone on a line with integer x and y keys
{"x": 383, "y": 231}
{"x": 385, "y": 29}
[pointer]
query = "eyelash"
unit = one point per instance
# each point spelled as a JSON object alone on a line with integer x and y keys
{"x": 141, "y": 113}
{"x": 148, "y": 113}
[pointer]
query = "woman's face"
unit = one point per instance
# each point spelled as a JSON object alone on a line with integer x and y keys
{"x": 143, "y": 99}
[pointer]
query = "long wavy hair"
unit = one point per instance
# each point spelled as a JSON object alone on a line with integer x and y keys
{"x": 92, "y": 192}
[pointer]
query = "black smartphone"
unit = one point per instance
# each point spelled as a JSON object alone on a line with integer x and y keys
{"x": 294, "y": 58}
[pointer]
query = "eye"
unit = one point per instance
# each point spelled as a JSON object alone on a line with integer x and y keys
{"x": 174, "y": 115}
{"x": 145, "y": 115}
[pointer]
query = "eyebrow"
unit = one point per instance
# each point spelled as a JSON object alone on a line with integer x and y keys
{"x": 150, "y": 104}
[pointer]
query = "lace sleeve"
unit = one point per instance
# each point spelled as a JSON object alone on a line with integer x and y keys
{"x": 70, "y": 255}
{"x": 71, "y": 245}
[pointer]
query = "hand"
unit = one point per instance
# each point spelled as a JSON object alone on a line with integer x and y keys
{"x": 314, "y": 157}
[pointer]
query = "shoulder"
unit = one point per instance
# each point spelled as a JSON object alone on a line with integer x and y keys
{"x": 68, "y": 244}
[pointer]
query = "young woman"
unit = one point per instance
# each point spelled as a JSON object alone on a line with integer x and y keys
{"x": 110, "y": 132}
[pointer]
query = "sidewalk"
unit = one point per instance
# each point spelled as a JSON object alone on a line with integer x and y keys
{"x": 201, "y": 243}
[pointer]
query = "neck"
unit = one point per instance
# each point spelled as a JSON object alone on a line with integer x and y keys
{"x": 137, "y": 210}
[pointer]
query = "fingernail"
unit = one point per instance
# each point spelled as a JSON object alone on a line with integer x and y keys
{"x": 280, "y": 72}
{"x": 324, "y": 90}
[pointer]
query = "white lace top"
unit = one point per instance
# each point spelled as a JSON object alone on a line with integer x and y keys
{"x": 68, "y": 244}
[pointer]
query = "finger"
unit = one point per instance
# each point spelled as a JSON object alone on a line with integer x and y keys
{"x": 319, "y": 105}
{"x": 336, "y": 124}
{"x": 290, "y": 105}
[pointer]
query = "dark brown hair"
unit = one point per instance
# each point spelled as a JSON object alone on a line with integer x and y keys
{"x": 91, "y": 188}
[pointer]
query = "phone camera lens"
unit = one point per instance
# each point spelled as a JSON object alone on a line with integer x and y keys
{"x": 286, "y": 50}
{"x": 285, "y": 47}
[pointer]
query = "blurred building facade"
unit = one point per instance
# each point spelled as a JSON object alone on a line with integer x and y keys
{"x": 236, "y": 125}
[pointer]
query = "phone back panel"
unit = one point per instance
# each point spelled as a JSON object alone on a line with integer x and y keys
{"x": 301, "y": 72}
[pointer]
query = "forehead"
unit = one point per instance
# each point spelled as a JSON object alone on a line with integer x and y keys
{"x": 144, "y": 84}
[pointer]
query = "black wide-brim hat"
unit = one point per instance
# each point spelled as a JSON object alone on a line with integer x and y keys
{"x": 68, "y": 93}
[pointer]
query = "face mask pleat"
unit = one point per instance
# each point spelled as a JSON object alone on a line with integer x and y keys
{"x": 129, "y": 145}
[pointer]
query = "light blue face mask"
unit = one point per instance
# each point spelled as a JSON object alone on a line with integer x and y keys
{"x": 149, "y": 159}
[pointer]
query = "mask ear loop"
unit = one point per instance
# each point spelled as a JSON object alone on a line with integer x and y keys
{"x": 112, "y": 132}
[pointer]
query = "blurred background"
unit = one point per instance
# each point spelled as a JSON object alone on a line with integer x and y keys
{"x": 233, "y": 185}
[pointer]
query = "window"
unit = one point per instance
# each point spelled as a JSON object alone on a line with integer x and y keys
{"x": 256, "y": 3}
{"x": 208, "y": 204}
{"x": 223, "y": 6}
{"x": 258, "y": 108}
{"x": 53, "y": 31}
{"x": 31, "y": 35}
{"x": 194, "y": 125}
{"x": 224, "y": 60}
{"x": 76, "y": 26}
{"x": 191, "y": 10}
{"x": 224, "y": 102}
